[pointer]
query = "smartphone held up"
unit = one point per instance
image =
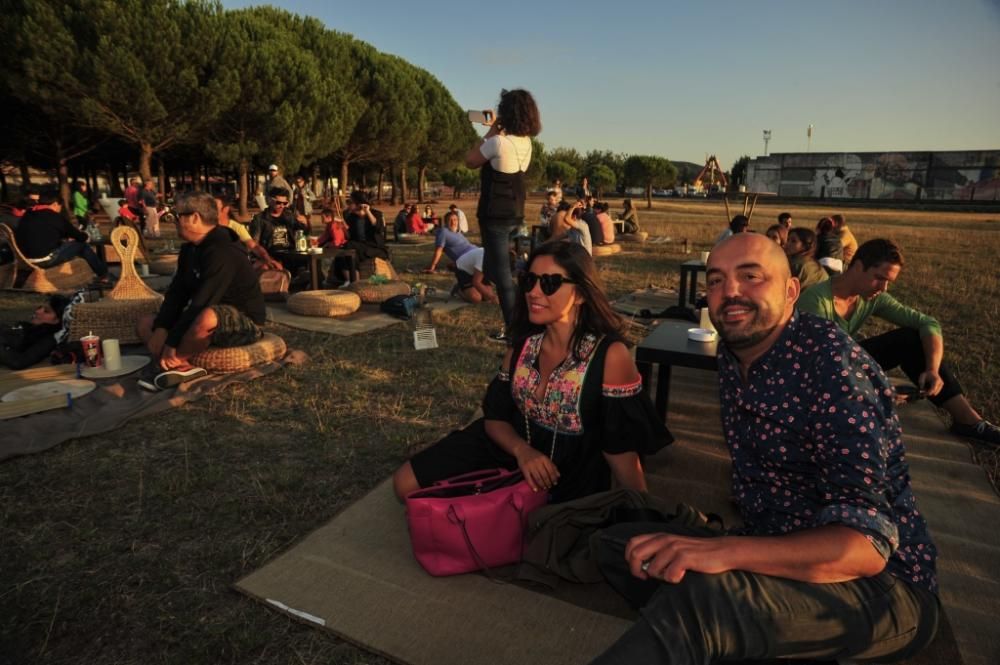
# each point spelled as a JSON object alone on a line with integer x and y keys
{"x": 481, "y": 117}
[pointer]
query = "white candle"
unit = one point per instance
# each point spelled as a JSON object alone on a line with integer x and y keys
{"x": 112, "y": 355}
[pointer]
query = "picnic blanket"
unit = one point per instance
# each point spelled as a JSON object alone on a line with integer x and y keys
{"x": 115, "y": 402}
{"x": 357, "y": 578}
{"x": 366, "y": 319}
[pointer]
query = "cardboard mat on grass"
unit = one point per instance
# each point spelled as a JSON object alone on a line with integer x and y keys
{"x": 653, "y": 299}
{"x": 364, "y": 320}
{"x": 356, "y": 576}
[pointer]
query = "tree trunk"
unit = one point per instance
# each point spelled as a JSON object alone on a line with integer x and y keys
{"x": 402, "y": 182}
{"x": 244, "y": 184}
{"x": 146, "y": 161}
{"x": 649, "y": 196}
{"x": 3, "y": 187}
{"x": 161, "y": 173}
{"x": 25, "y": 178}
{"x": 62, "y": 171}
{"x": 381, "y": 179}
{"x": 421, "y": 183}
{"x": 317, "y": 181}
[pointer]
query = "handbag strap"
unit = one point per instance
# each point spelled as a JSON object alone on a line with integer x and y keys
{"x": 457, "y": 517}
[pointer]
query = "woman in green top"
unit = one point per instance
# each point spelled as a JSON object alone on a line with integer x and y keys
{"x": 81, "y": 204}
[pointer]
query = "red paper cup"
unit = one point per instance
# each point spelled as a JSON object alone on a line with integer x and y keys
{"x": 91, "y": 350}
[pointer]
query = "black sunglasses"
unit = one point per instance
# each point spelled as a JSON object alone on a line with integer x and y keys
{"x": 550, "y": 283}
{"x": 280, "y": 203}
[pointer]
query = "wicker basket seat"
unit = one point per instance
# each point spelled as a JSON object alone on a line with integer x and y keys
{"x": 607, "y": 250}
{"x": 67, "y": 276}
{"x": 117, "y": 314}
{"x": 324, "y": 303}
{"x": 415, "y": 238}
{"x": 377, "y": 293}
{"x": 238, "y": 358}
{"x": 639, "y": 236}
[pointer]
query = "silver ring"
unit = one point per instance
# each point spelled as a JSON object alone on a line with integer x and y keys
{"x": 645, "y": 565}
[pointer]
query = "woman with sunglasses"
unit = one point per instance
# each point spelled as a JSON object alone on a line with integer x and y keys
{"x": 567, "y": 406}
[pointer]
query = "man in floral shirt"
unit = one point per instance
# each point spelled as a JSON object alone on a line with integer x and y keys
{"x": 833, "y": 559}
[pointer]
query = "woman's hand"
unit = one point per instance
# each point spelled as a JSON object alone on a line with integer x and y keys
{"x": 538, "y": 469}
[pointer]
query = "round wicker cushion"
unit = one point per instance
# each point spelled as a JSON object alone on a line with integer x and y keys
{"x": 641, "y": 236}
{"x": 165, "y": 264}
{"x": 324, "y": 303}
{"x": 379, "y": 292}
{"x": 238, "y": 358}
{"x": 415, "y": 238}
{"x": 607, "y": 250}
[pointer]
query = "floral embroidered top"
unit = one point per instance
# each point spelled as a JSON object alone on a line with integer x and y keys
{"x": 815, "y": 440}
{"x": 578, "y": 417}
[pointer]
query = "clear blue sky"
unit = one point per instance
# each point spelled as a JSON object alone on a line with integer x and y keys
{"x": 685, "y": 79}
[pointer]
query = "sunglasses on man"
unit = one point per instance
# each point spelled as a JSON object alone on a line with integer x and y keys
{"x": 280, "y": 204}
{"x": 550, "y": 283}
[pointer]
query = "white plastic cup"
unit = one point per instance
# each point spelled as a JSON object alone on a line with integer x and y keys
{"x": 112, "y": 354}
{"x": 704, "y": 321}
{"x": 704, "y": 257}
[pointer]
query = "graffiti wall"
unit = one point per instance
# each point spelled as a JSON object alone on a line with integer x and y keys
{"x": 972, "y": 175}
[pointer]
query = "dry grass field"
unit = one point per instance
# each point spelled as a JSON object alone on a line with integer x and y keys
{"x": 122, "y": 548}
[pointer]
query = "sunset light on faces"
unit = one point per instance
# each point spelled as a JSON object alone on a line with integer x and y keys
{"x": 555, "y": 308}
{"x": 878, "y": 278}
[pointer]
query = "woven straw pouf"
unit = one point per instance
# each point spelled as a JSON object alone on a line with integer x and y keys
{"x": 238, "y": 358}
{"x": 607, "y": 250}
{"x": 377, "y": 293}
{"x": 641, "y": 236}
{"x": 324, "y": 303}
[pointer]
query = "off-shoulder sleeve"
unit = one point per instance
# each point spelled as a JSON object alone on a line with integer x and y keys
{"x": 499, "y": 403}
{"x": 629, "y": 422}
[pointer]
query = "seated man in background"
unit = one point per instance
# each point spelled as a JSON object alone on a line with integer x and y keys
{"x": 548, "y": 208}
{"x": 275, "y": 229}
{"x": 47, "y": 238}
{"x": 463, "y": 221}
{"x": 739, "y": 224}
{"x": 916, "y": 345}
{"x": 214, "y": 298}
{"x": 785, "y": 222}
{"x": 605, "y": 222}
{"x": 833, "y": 560}
{"x": 227, "y": 219}
{"x": 847, "y": 239}
{"x": 366, "y": 236}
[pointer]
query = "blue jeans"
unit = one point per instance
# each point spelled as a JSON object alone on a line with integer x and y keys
{"x": 70, "y": 250}
{"x": 496, "y": 263}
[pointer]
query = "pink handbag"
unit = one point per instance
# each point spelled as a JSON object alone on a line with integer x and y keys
{"x": 471, "y": 522}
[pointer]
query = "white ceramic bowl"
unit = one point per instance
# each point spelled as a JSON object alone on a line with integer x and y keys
{"x": 702, "y": 334}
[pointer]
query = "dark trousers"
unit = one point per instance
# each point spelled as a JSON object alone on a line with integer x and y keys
{"x": 70, "y": 250}
{"x": 746, "y": 616}
{"x": 496, "y": 263}
{"x": 902, "y": 348}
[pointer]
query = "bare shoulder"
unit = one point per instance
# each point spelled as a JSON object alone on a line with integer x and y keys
{"x": 619, "y": 368}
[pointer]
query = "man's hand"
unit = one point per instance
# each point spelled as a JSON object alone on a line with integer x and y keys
{"x": 538, "y": 470}
{"x": 169, "y": 359}
{"x": 930, "y": 382}
{"x": 156, "y": 342}
{"x": 669, "y": 557}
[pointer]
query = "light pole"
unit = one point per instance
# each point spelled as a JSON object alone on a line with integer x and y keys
{"x": 809, "y": 137}
{"x": 767, "y": 137}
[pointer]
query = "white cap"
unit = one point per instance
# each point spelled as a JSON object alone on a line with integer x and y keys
{"x": 272, "y": 167}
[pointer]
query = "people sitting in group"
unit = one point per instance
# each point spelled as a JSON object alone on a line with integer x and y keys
{"x": 785, "y": 222}
{"x": 548, "y": 208}
{"x": 430, "y": 219}
{"x": 774, "y": 233}
{"x": 833, "y": 559}
{"x": 31, "y": 342}
{"x": 829, "y": 248}
{"x": 604, "y": 223}
{"x": 228, "y": 219}
{"x": 847, "y": 239}
{"x": 335, "y": 232}
{"x": 630, "y": 217}
{"x": 463, "y": 221}
{"x": 415, "y": 223}
{"x": 799, "y": 249}
{"x": 366, "y": 227}
{"x": 738, "y": 224}
{"x": 567, "y": 407}
{"x": 214, "y": 298}
{"x": 399, "y": 224}
{"x": 589, "y": 216}
{"x": 276, "y": 228}
{"x": 47, "y": 238}
{"x": 567, "y": 225}
{"x": 916, "y": 345}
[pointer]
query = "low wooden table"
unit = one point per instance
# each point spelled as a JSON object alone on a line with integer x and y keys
{"x": 328, "y": 252}
{"x": 688, "y": 292}
{"x": 666, "y": 346}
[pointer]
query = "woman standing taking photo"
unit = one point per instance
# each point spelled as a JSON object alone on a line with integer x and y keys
{"x": 503, "y": 156}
